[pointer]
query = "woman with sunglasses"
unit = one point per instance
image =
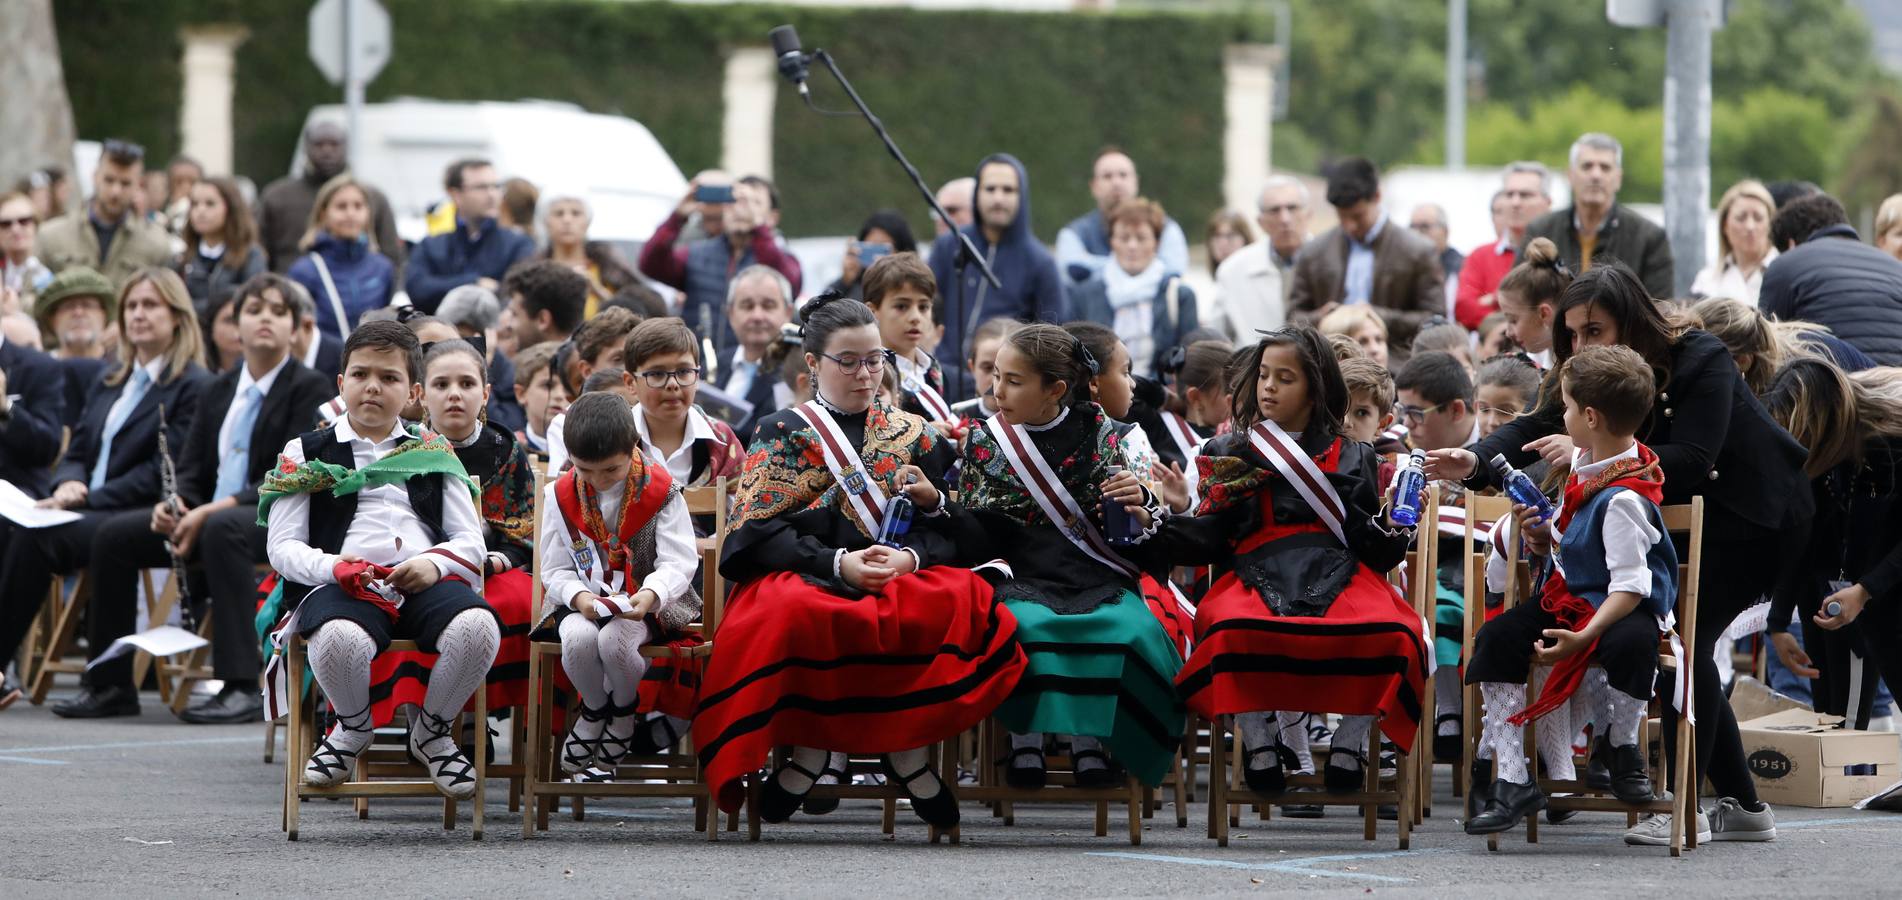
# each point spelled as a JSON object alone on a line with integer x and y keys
{"x": 1714, "y": 440}
{"x": 846, "y": 632}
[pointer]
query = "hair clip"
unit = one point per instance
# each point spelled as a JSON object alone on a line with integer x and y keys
{"x": 792, "y": 333}
{"x": 1173, "y": 362}
{"x": 1088, "y": 359}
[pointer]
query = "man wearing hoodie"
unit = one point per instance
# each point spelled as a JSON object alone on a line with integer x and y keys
{"x": 284, "y": 206}
{"x": 1031, "y": 288}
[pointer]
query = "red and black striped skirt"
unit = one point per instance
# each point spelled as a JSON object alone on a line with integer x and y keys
{"x": 1365, "y": 657}
{"x": 924, "y": 659}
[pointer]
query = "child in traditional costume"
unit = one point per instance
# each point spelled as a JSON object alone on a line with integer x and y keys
{"x": 1607, "y": 590}
{"x": 375, "y": 533}
{"x": 663, "y": 374}
{"x": 456, "y": 396}
{"x": 1305, "y": 619}
{"x": 617, "y": 570}
{"x": 845, "y": 633}
{"x": 901, "y": 291}
{"x": 1036, "y": 479}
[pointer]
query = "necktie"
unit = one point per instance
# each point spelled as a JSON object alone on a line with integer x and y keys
{"x": 231, "y": 469}
{"x": 135, "y": 389}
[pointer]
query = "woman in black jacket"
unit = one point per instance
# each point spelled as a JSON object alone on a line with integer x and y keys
{"x": 1714, "y": 440}
{"x": 1852, "y": 425}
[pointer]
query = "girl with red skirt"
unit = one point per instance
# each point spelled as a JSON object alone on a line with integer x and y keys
{"x": 1304, "y": 620}
{"x": 845, "y": 634}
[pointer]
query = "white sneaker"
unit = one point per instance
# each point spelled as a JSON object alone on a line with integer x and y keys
{"x": 1655, "y": 831}
{"x": 1731, "y": 822}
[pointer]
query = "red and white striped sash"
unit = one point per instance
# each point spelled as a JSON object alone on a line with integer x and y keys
{"x": 1040, "y": 481}
{"x": 861, "y": 492}
{"x": 1299, "y": 470}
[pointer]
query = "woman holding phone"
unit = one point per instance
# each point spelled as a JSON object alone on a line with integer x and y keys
{"x": 884, "y": 233}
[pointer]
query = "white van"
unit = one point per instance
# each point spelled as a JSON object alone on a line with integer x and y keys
{"x": 405, "y": 144}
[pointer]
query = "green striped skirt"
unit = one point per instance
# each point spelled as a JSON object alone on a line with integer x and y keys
{"x": 1108, "y": 673}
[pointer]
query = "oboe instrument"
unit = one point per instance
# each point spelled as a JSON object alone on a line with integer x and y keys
{"x": 168, "y": 494}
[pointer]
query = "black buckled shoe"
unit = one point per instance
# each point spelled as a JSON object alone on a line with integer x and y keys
{"x": 1510, "y": 804}
{"x": 653, "y": 735}
{"x": 1271, "y": 779}
{"x": 940, "y": 809}
{"x": 1025, "y": 769}
{"x": 819, "y": 806}
{"x": 776, "y": 803}
{"x": 1105, "y": 775}
{"x": 99, "y": 703}
{"x": 1446, "y": 747}
{"x": 231, "y": 705}
{"x": 1340, "y": 779}
{"x": 1598, "y": 764}
{"x": 1629, "y": 780}
{"x": 1479, "y": 786}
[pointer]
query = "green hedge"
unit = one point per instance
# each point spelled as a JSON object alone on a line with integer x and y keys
{"x": 951, "y": 87}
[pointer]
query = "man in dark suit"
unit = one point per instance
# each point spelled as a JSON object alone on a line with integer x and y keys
{"x": 758, "y": 305}
{"x": 245, "y": 416}
{"x": 112, "y": 464}
{"x": 1366, "y": 259}
{"x": 32, "y": 405}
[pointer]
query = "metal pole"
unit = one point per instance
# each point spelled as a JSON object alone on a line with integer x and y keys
{"x": 352, "y": 83}
{"x": 1687, "y": 133}
{"x": 1456, "y": 84}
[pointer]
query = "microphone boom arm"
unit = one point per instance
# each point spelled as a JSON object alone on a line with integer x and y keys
{"x": 968, "y": 249}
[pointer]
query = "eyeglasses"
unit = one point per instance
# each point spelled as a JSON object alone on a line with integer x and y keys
{"x": 1414, "y": 415}
{"x": 489, "y": 186}
{"x": 20, "y": 222}
{"x": 658, "y": 378}
{"x": 873, "y": 363}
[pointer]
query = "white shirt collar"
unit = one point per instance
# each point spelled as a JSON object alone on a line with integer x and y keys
{"x": 1584, "y": 470}
{"x": 263, "y": 384}
{"x": 1062, "y": 414}
{"x": 211, "y": 251}
{"x": 698, "y": 428}
{"x": 1504, "y": 246}
{"x": 348, "y": 433}
{"x": 154, "y": 368}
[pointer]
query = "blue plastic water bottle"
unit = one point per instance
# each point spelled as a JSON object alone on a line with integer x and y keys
{"x": 898, "y": 511}
{"x": 1411, "y": 493}
{"x": 1117, "y": 522}
{"x": 1520, "y": 488}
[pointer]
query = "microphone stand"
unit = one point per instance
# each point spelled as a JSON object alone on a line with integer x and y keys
{"x": 967, "y": 251}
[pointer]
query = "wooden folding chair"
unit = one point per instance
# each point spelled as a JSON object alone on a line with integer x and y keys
{"x": 1228, "y": 793}
{"x": 1686, "y": 519}
{"x": 376, "y": 775}
{"x": 68, "y": 604}
{"x": 1473, "y": 554}
{"x": 671, "y": 774}
{"x": 993, "y": 750}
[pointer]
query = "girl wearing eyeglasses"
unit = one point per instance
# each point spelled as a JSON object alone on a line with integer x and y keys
{"x": 842, "y": 637}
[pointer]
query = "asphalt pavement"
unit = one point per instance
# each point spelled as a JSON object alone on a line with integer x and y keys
{"x": 151, "y": 807}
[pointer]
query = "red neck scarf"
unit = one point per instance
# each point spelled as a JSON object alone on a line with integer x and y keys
{"x": 1640, "y": 475}
{"x": 643, "y": 495}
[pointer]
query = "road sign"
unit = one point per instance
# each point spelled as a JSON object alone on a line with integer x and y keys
{"x": 367, "y": 34}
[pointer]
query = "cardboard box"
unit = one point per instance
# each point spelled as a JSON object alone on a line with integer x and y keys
{"x": 1801, "y": 758}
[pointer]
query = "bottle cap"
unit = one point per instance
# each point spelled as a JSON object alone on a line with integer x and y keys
{"x": 1418, "y": 455}
{"x": 1499, "y": 462}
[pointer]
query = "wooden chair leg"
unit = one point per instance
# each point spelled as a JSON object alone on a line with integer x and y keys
{"x": 481, "y": 758}
{"x": 1139, "y": 794}
{"x": 64, "y": 625}
{"x": 530, "y": 747}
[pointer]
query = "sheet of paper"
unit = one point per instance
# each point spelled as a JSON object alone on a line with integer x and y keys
{"x": 165, "y": 640}
{"x": 18, "y": 508}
